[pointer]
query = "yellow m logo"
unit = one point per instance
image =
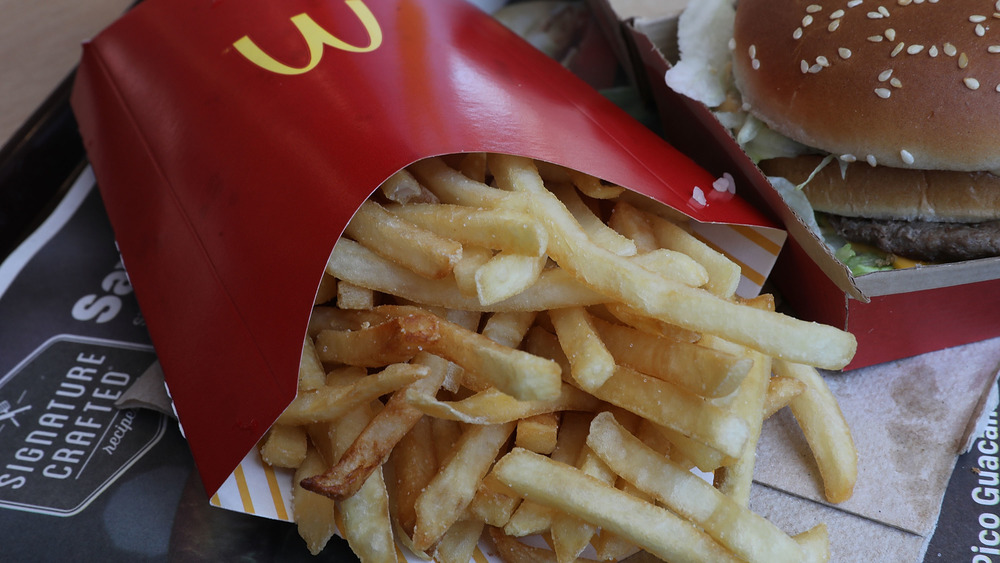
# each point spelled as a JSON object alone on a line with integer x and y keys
{"x": 316, "y": 38}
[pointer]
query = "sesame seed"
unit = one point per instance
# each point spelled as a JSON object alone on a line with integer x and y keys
{"x": 804, "y": 66}
{"x": 813, "y": 8}
{"x": 914, "y": 49}
{"x": 963, "y": 61}
{"x": 797, "y": 34}
{"x": 755, "y": 64}
{"x": 874, "y": 15}
{"x": 871, "y": 160}
{"x": 815, "y": 68}
{"x": 836, "y": 14}
{"x": 884, "y": 11}
{"x": 933, "y": 51}
{"x": 998, "y": 88}
{"x": 856, "y": 3}
{"x": 897, "y": 49}
{"x": 848, "y": 158}
{"x": 884, "y": 75}
{"x": 875, "y": 38}
{"x": 834, "y": 25}
{"x": 977, "y": 19}
{"x": 950, "y": 50}
{"x": 895, "y": 82}
{"x": 971, "y": 83}
{"x": 844, "y": 52}
{"x": 752, "y": 51}
{"x": 997, "y": 5}
{"x": 903, "y": 2}
{"x": 906, "y": 156}
{"x": 732, "y": 43}
{"x": 993, "y": 48}
{"x": 980, "y": 30}
{"x": 822, "y": 61}
{"x": 807, "y": 20}
{"x": 883, "y": 93}
{"x": 890, "y": 34}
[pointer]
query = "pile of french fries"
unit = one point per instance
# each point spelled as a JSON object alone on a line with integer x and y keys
{"x": 505, "y": 348}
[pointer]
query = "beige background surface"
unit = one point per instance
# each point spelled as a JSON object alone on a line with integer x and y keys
{"x": 39, "y": 46}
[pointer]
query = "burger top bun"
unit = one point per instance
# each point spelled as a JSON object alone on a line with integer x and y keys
{"x": 901, "y": 83}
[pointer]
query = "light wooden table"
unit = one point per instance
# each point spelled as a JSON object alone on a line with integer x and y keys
{"x": 39, "y": 46}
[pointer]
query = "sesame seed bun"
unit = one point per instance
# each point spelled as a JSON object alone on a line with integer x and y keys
{"x": 899, "y": 83}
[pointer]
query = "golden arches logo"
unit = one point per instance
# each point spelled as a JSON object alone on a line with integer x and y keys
{"x": 316, "y": 39}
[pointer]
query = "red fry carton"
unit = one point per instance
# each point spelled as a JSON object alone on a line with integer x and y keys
{"x": 233, "y": 141}
{"x": 894, "y": 314}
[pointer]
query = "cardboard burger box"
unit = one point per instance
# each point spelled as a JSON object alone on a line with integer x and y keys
{"x": 894, "y": 314}
{"x": 233, "y": 141}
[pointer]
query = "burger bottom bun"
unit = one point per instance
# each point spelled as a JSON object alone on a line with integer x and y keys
{"x": 880, "y": 192}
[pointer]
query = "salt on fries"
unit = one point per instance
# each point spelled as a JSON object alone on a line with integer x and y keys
{"x": 502, "y": 347}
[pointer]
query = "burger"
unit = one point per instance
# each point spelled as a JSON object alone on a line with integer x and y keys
{"x": 894, "y": 113}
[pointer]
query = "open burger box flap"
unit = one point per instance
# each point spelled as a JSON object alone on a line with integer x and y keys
{"x": 233, "y": 141}
{"x": 893, "y": 314}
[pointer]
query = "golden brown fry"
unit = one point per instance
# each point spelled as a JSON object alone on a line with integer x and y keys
{"x": 735, "y": 479}
{"x": 655, "y": 529}
{"x": 373, "y": 444}
{"x": 284, "y": 446}
{"x": 506, "y": 275}
{"x": 629, "y": 316}
{"x": 395, "y": 340}
{"x": 506, "y": 230}
{"x": 771, "y": 333}
{"x": 816, "y": 543}
{"x": 459, "y": 542}
{"x": 473, "y": 165}
{"x": 350, "y": 296}
{"x": 330, "y": 402}
{"x": 311, "y": 374}
{"x": 422, "y": 251}
{"x": 780, "y": 392}
{"x": 602, "y": 235}
{"x": 450, "y": 491}
{"x": 591, "y": 364}
{"x": 509, "y": 329}
{"x": 493, "y": 504}
{"x": 402, "y": 187}
{"x": 538, "y": 432}
{"x": 701, "y": 370}
{"x": 825, "y": 429}
{"x": 414, "y": 463}
{"x": 554, "y": 288}
{"x": 750, "y": 536}
{"x": 314, "y": 514}
{"x": 492, "y": 406}
{"x": 673, "y": 265}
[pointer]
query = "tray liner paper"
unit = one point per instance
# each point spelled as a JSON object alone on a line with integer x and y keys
{"x": 232, "y": 142}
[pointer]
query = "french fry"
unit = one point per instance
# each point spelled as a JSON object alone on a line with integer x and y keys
{"x": 506, "y": 275}
{"x": 509, "y": 231}
{"x": 314, "y": 514}
{"x": 417, "y": 249}
{"x": 674, "y": 266}
{"x": 734, "y": 480}
{"x": 537, "y": 432}
{"x": 554, "y": 288}
{"x": 509, "y": 329}
{"x": 402, "y": 187}
{"x": 816, "y": 543}
{"x": 750, "y": 536}
{"x": 373, "y": 444}
{"x": 452, "y": 489}
{"x": 493, "y": 503}
{"x": 350, "y": 296}
{"x": 414, "y": 462}
{"x": 780, "y": 392}
{"x": 284, "y": 446}
{"x": 771, "y": 333}
{"x": 395, "y": 340}
{"x": 655, "y": 529}
{"x": 825, "y": 429}
{"x": 492, "y": 406}
{"x": 592, "y": 186}
{"x": 591, "y": 364}
{"x": 599, "y": 232}
{"x": 459, "y": 542}
{"x": 330, "y": 402}
{"x": 327, "y": 290}
{"x": 699, "y": 369}
{"x": 311, "y": 374}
